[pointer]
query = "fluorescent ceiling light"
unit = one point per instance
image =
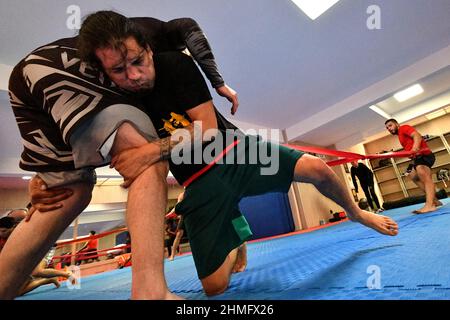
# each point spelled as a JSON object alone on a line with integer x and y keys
{"x": 408, "y": 93}
{"x": 314, "y": 8}
{"x": 435, "y": 114}
{"x": 26, "y": 177}
{"x": 381, "y": 112}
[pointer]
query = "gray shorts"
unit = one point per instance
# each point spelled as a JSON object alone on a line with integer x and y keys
{"x": 92, "y": 141}
{"x": 62, "y": 178}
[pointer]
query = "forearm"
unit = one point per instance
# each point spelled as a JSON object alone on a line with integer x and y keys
{"x": 182, "y": 139}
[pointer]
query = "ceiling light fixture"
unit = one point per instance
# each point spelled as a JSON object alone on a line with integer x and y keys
{"x": 435, "y": 114}
{"x": 408, "y": 93}
{"x": 380, "y": 111}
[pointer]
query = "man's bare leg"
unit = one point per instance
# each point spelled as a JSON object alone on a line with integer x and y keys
{"x": 146, "y": 206}
{"x": 31, "y": 240}
{"x": 42, "y": 272}
{"x": 35, "y": 283}
{"x": 313, "y": 170}
{"x": 416, "y": 179}
{"x": 424, "y": 174}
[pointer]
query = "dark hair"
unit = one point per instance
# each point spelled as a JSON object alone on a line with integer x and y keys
{"x": 92, "y": 231}
{"x": 106, "y": 29}
{"x": 390, "y": 120}
{"x": 7, "y": 222}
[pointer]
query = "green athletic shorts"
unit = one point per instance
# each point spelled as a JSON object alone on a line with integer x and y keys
{"x": 212, "y": 219}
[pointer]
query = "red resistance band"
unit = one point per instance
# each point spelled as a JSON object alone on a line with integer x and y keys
{"x": 350, "y": 156}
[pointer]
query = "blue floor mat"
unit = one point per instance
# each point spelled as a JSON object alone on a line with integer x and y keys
{"x": 332, "y": 263}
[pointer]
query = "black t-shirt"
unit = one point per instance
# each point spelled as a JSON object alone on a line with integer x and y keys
{"x": 179, "y": 86}
{"x": 363, "y": 173}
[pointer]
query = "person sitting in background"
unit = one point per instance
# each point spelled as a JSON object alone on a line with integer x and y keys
{"x": 89, "y": 250}
{"x": 41, "y": 274}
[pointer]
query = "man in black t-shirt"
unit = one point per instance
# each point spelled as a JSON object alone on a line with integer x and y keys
{"x": 175, "y": 94}
{"x": 55, "y": 96}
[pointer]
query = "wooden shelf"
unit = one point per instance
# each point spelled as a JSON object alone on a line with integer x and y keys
{"x": 432, "y": 138}
{"x": 381, "y": 168}
{"x": 441, "y": 165}
{"x": 387, "y": 180}
{"x": 390, "y": 193}
{"x": 439, "y": 150}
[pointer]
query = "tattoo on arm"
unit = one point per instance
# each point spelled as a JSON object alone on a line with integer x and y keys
{"x": 167, "y": 144}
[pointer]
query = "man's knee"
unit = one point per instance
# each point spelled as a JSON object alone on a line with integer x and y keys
{"x": 215, "y": 286}
{"x": 414, "y": 176}
{"x": 311, "y": 169}
{"x": 127, "y": 136}
{"x": 82, "y": 195}
{"x": 423, "y": 172}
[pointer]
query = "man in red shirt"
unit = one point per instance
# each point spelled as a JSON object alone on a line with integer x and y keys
{"x": 412, "y": 140}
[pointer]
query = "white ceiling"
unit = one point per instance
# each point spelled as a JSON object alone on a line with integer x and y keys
{"x": 313, "y": 78}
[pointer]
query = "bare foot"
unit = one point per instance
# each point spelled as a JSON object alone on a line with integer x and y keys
{"x": 380, "y": 223}
{"x": 425, "y": 209}
{"x": 55, "y": 282}
{"x": 241, "y": 259}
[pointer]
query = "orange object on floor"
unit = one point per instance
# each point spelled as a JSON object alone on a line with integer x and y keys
{"x": 124, "y": 260}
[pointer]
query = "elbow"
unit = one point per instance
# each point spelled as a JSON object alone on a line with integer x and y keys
{"x": 190, "y": 22}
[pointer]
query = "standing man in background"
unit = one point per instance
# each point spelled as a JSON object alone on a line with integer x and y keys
{"x": 365, "y": 176}
{"x": 411, "y": 140}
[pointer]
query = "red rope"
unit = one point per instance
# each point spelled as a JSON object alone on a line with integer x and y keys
{"x": 85, "y": 255}
{"x": 87, "y": 238}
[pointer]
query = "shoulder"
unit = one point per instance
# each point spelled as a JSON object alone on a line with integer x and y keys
{"x": 406, "y": 129}
{"x": 177, "y": 67}
{"x": 173, "y": 59}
